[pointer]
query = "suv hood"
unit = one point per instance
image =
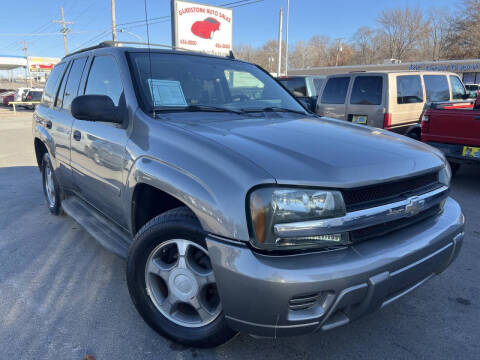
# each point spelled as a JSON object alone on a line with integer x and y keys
{"x": 318, "y": 151}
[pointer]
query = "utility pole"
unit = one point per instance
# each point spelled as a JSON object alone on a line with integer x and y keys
{"x": 64, "y": 30}
{"x": 286, "y": 39}
{"x": 28, "y": 78}
{"x": 114, "y": 22}
{"x": 279, "y": 65}
{"x": 339, "y": 48}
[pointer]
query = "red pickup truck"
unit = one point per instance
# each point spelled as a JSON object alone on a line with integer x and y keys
{"x": 454, "y": 128}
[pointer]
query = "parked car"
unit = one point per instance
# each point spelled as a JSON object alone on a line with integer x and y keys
{"x": 33, "y": 95}
{"x": 21, "y": 93}
{"x": 8, "y": 98}
{"x": 472, "y": 90}
{"x": 304, "y": 88}
{"x": 387, "y": 99}
{"x": 3, "y": 94}
{"x": 205, "y": 28}
{"x": 238, "y": 213}
{"x": 454, "y": 128}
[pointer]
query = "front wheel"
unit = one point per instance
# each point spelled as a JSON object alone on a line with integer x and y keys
{"x": 171, "y": 281}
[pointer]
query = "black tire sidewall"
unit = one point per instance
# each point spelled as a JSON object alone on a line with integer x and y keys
{"x": 148, "y": 238}
{"x": 55, "y": 209}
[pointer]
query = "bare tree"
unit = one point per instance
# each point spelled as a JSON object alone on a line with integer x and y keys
{"x": 462, "y": 40}
{"x": 401, "y": 29}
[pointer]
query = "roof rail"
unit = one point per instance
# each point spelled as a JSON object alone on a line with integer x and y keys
{"x": 120, "y": 43}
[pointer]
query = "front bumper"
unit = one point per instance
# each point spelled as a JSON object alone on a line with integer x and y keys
{"x": 289, "y": 295}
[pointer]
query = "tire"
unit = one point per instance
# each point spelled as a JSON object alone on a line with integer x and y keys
{"x": 50, "y": 190}
{"x": 150, "y": 290}
{"x": 455, "y": 167}
{"x": 414, "y": 135}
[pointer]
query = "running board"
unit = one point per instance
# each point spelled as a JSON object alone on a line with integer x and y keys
{"x": 108, "y": 234}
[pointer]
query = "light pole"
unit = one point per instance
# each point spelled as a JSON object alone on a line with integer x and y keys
{"x": 131, "y": 33}
{"x": 286, "y": 39}
{"x": 279, "y": 64}
{"x": 339, "y": 49}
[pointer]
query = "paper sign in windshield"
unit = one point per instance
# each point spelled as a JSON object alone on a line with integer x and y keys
{"x": 166, "y": 93}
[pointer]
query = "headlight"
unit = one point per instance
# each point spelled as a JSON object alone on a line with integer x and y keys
{"x": 271, "y": 206}
{"x": 445, "y": 175}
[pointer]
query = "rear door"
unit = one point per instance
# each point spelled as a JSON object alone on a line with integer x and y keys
{"x": 406, "y": 101}
{"x": 98, "y": 148}
{"x": 332, "y": 101}
{"x": 366, "y": 105}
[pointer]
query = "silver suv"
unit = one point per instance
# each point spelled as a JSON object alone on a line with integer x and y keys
{"x": 235, "y": 208}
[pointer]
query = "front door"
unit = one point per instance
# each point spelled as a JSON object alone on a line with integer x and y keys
{"x": 98, "y": 148}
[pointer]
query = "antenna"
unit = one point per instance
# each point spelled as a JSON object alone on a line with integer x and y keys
{"x": 149, "y": 56}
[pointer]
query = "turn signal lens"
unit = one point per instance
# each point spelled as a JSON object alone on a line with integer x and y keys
{"x": 257, "y": 210}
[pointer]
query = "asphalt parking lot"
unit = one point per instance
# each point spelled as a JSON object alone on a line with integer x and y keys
{"x": 62, "y": 296}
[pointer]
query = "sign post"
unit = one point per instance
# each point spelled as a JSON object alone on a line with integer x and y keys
{"x": 200, "y": 27}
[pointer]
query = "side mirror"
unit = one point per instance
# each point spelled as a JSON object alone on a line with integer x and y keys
{"x": 95, "y": 108}
{"x": 465, "y": 96}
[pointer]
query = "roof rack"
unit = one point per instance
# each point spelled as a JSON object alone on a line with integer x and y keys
{"x": 120, "y": 43}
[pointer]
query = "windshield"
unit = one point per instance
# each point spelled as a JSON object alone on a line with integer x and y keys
{"x": 186, "y": 81}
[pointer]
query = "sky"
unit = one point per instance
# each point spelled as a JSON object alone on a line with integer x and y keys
{"x": 252, "y": 24}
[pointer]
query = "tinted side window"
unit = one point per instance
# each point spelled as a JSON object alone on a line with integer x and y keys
{"x": 367, "y": 90}
{"x": 52, "y": 82}
{"x": 61, "y": 89}
{"x": 104, "y": 79}
{"x": 295, "y": 84}
{"x": 335, "y": 90}
{"x": 436, "y": 87}
{"x": 409, "y": 89}
{"x": 71, "y": 88}
{"x": 457, "y": 88}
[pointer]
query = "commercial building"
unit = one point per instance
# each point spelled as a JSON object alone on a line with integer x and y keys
{"x": 469, "y": 70}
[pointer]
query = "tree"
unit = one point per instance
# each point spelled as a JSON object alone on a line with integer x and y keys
{"x": 462, "y": 39}
{"x": 401, "y": 29}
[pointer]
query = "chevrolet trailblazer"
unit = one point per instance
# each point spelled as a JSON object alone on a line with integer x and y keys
{"x": 235, "y": 208}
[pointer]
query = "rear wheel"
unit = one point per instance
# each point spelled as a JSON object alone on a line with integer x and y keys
{"x": 171, "y": 281}
{"x": 455, "y": 167}
{"x": 51, "y": 189}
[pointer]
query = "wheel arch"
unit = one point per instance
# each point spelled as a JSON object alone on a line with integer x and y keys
{"x": 154, "y": 187}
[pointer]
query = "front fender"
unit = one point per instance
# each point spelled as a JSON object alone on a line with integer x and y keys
{"x": 188, "y": 189}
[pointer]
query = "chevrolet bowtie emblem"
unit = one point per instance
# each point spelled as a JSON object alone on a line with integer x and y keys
{"x": 414, "y": 205}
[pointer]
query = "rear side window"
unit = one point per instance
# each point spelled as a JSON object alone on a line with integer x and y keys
{"x": 409, "y": 89}
{"x": 61, "y": 89}
{"x": 367, "y": 90}
{"x": 52, "y": 82}
{"x": 436, "y": 87}
{"x": 335, "y": 90}
{"x": 104, "y": 79}
{"x": 458, "y": 91}
{"x": 296, "y": 85}
{"x": 71, "y": 88}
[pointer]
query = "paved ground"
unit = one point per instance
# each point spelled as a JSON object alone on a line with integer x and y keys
{"x": 62, "y": 296}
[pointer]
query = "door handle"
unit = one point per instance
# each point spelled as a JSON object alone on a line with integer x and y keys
{"x": 77, "y": 135}
{"x": 48, "y": 124}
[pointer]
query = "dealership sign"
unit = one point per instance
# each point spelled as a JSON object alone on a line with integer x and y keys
{"x": 200, "y": 27}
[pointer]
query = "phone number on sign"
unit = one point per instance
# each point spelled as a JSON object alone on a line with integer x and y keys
{"x": 188, "y": 42}
{"x": 222, "y": 46}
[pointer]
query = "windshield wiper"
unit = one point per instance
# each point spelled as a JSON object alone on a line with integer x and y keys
{"x": 274, "y": 109}
{"x": 193, "y": 108}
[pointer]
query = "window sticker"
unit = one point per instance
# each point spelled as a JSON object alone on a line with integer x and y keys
{"x": 166, "y": 93}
